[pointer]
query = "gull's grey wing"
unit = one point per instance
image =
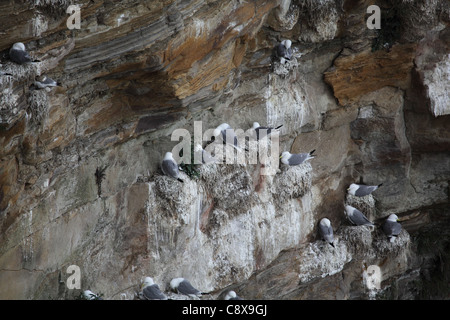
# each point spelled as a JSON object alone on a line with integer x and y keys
{"x": 364, "y": 190}
{"x": 49, "y": 82}
{"x": 288, "y": 54}
{"x": 326, "y": 232}
{"x": 391, "y": 228}
{"x": 296, "y": 159}
{"x": 169, "y": 168}
{"x": 358, "y": 218}
{"x": 280, "y": 50}
{"x": 19, "y": 56}
{"x": 153, "y": 293}
{"x": 185, "y": 287}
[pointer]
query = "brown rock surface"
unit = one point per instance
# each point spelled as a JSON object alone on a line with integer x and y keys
{"x": 355, "y": 75}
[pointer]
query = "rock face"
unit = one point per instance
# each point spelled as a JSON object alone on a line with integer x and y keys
{"x": 80, "y": 183}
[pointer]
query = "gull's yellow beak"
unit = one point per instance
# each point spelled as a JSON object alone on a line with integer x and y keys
{"x": 281, "y": 157}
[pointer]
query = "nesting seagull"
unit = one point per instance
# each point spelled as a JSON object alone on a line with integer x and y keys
{"x": 283, "y": 51}
{"x": 227, "y": 134}
{"x": 326, "y": 231}
{"x": 151, "y": 291}
{"x": 391, "y": 227}
{"x": 89, "y": 295}
{"x": 18, "y": 54}
{"x": 361, "y": 190}
{"x": 231, "y": 295}
{"x": 206, "y": 156}
{"x": 262, "y": 132}
{"x": 294, "y": 159}
{"x": 357, "y": 217}
{"x": 44, "y": 82}
{"x": 183, "y": 286}
{"x": 169, "y": 167}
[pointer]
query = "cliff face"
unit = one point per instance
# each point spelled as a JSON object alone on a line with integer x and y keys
{"x": 80, "y": 182}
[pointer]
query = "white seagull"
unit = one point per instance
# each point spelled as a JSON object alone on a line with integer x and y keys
{"x": 326, "y": 231}
{"x": 19, "y": 55}
{"x": 231, "y": 295}
{"x": 357, "y": 217}
{"x": 89, "y": 295}
{"x": 361, "y": 190}
{"x": 183, "y": 286}
{"x": 151, "y": 291}
{"x": 227, "y": 135}
{"x": 169, "y": 167}
{"x": 294, "y": 159}
{"x": 391, "y": 227}
{"x": 283, "y": 51}
{"x": 44, "y": 82}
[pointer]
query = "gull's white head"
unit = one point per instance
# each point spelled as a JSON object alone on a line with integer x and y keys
{"x": 255, "y": 125}
{"x": 348, "y": 209}
{"x": 217, "y": 131}
{"x": 287, "y": 43}
{"x": 174, "y": 283}
{"x": 393, "y": 218}
{"x": 325, "y": 222}
{"x": 352, "y": 189}
{"x": 285, "y": 157}
{"x": 18, "y": 46}
{"x": 168, "y": 156}
{"x": 230, "y": 294}
{"x": 147, "y": 282}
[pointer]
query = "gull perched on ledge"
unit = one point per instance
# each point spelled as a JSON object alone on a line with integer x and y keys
{"x": 326, "y": 231}
{"x": 169, "y": 167}
{"x": 19, "y": 55}
{"x": 391, "y": 227}
{"x": 357, "y": 217}
{"x": 283, "y": 51}
{"x": 361, "y": 190}
{"x": 151, "y": 291}
{"x": 183, "y": 286}
{"x": 294, "y": 159}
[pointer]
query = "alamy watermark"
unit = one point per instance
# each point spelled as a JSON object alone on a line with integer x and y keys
{"x": 74, "y": 21}
{"x": 373, "y": 277}
{"x": 74, "y": 280}
{"x": 374, "y": 21}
